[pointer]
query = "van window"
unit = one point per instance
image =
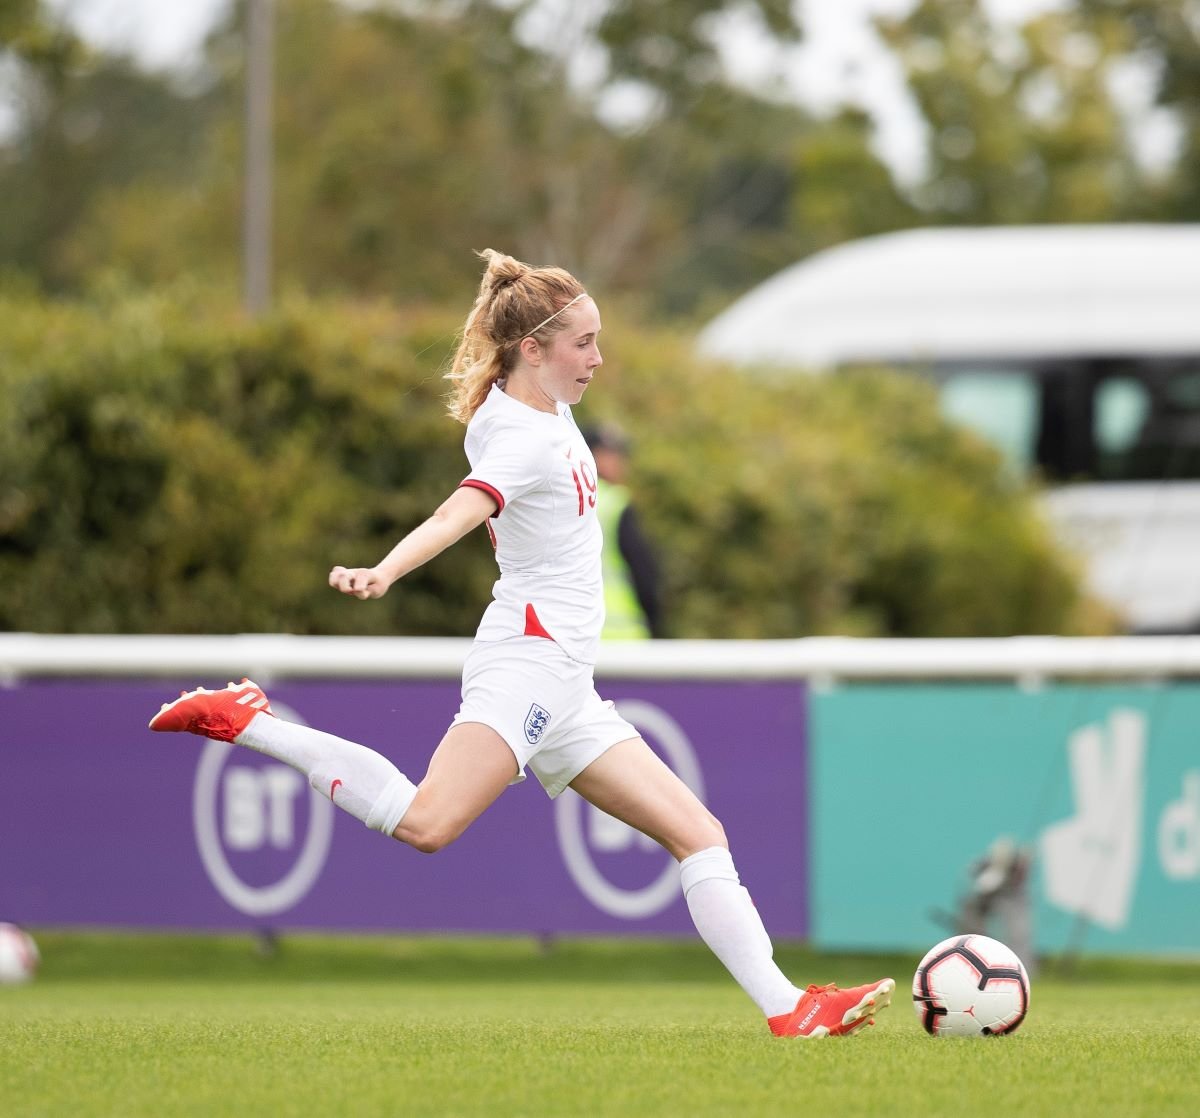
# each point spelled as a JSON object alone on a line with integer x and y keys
{"x": 1183, "y": 390}
{"x": 1146, "y": 427}
{"x": 1118, "y": 418}
{"x": 1001, "y": 405}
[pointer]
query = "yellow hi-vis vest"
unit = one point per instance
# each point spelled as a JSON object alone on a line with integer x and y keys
{"x": 623, "y": 617}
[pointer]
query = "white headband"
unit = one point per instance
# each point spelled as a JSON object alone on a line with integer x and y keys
{"x": 547, "y": 321}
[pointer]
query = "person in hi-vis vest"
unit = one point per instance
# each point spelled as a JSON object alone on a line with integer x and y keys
{"x": 633, "y": 607}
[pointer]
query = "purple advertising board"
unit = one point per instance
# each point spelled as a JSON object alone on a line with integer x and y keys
{"x": 103, "y": 823}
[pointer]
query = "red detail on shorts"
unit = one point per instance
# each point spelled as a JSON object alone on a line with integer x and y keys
{"x": 533, "y": 626}
{"x": 491, "y": 491}
{"x": 333, "y": 788}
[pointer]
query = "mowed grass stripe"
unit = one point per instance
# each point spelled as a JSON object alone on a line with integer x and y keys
{"x": 312, "y": 1043}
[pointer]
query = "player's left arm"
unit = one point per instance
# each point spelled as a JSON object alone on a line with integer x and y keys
{"x": 464, "y": 509}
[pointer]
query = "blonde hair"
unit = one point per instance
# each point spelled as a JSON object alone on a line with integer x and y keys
{"x": 515, "y": 301}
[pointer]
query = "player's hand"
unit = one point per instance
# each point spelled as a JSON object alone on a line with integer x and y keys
{"x": 361, "y": 582}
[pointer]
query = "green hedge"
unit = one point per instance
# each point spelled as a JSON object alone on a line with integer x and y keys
{"x": 167, "y": 465}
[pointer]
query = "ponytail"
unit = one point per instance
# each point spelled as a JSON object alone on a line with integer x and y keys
{"x": 515, "y": 301}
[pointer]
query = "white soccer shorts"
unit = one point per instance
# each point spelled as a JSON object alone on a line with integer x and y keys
{"x": 543, "y": 704}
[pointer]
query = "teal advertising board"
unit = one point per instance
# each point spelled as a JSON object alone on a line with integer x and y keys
{"x": 911, "y": 782}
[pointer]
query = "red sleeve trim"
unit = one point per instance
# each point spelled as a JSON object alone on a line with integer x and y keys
{"x": 491, "y": 491}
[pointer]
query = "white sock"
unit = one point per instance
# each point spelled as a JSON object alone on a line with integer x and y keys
{"x": 355, "y": 778}
{"x": 729, "y": 923}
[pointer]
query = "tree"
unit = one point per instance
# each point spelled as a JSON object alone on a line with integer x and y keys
{"x": 170, "y": 465}
{"x": 1023, "y": 125}
{"x": 31, "y": 38}
{"x": 1164, "y": 36}
{"x": 86, "y": 124}
{"x": 402, "y": 143}
{"x": 406, "y": 137}
{"x": 707, "y": 169}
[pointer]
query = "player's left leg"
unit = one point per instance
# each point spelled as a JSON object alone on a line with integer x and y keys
{"x": 630, "y": 782}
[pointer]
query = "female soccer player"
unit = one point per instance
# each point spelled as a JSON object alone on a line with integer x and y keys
{"x": 529, "y": 351}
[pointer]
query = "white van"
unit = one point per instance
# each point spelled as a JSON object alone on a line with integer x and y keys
{"x": 1075, "y": 349}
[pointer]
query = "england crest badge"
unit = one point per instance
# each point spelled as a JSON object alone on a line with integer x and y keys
{"x": 535, "y": 724}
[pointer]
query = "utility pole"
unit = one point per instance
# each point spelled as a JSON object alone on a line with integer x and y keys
{"x": 256, "y": 213}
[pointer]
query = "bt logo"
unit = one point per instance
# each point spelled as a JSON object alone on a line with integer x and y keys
{"x": 239, "y": 810}
{"x": 260, "y": 806}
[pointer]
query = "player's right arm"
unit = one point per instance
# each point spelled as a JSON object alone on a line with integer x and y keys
{"x": 464, "y": 509}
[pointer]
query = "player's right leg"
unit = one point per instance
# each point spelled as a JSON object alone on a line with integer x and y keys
{"x": 467, "y": 772}
{"x": 357, "y": 779}
{"x": 469, "y": 769}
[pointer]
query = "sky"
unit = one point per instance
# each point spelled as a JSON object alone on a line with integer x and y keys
{"x": 841, "y": 61}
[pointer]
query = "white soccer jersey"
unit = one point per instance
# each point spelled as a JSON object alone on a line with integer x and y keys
{"x": 546, "y": 533}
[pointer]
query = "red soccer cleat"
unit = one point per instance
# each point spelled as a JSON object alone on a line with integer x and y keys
{"x": 213, "y": 714}
{"x": 828, "y": 1011}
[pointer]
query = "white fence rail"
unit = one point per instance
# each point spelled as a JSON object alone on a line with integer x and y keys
{"x": 822, "y": 660}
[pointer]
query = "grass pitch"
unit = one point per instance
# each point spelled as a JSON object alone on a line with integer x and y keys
{"x": 172, "y": 1025}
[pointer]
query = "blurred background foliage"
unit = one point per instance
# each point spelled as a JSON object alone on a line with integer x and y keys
{"x": 169, "y": 464}
{"x": 170, "y": 467}
{"x": 408, "y": 135}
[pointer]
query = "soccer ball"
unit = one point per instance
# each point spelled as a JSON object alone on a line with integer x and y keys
{"x": 970, "y": 986}
{"x": 19, "y": 956}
